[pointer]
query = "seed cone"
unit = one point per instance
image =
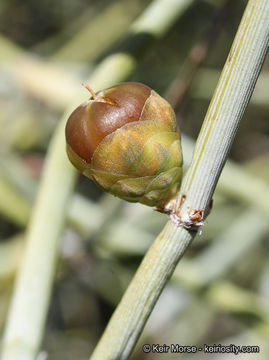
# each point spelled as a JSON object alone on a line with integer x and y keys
{"x": 127, "y": 141}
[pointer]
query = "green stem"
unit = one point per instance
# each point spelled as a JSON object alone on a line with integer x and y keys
{"x": 226, "y": 109}
{"x": 26, "y": 318}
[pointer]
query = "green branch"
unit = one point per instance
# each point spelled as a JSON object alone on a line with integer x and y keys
{"x": 226, "y": 109}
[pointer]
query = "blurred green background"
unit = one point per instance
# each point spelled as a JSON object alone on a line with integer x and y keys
{"x": 219, "y": 292}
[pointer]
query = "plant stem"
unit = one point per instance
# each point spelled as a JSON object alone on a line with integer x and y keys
{"x": 102, "y": 27}
{"x": 226, "y": 109}
{"x": 33, "y": 286}
{"x": 206, "y": 79}
{"x": 248, "y": 228}
{"x": 182, "y": 83}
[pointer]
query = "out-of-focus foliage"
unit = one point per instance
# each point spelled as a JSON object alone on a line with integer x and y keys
{"x": 219, "y": 293}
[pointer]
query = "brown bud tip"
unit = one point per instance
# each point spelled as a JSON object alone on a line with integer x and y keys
{"x": 112, "y": 108}
{"x": 90, "y": 91}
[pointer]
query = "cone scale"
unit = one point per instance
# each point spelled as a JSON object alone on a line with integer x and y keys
{"x": 126, "y": 140}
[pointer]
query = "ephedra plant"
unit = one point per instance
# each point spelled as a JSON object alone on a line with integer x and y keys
{"x": 188, "y": 211}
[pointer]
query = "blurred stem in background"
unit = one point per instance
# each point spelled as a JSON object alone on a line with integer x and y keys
{"x": 99, "y": 34}
{"x": 181, "y": 85}
{"x": 26, "y": 320}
